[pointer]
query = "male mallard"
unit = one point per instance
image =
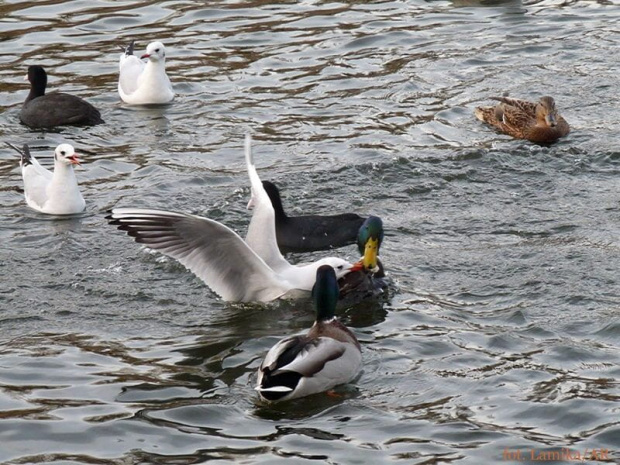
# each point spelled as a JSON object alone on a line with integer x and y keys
{"x": 537, "y": 122}
{"x": 327, "y": 356}
{"x": 369, "y": 240}
{"x": 365, "y": 280}
{"x": 308, "y": 233}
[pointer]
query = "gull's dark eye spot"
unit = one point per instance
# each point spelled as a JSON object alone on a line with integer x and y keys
{"x": 62, "y": 153}
{"x": 156, "y": 50}
{"x": 340, "y": 267}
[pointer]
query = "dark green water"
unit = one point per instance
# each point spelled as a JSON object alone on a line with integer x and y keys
{"x": 500, "y": 341}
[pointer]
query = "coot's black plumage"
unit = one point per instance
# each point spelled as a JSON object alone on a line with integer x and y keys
{"x": 311, "y": 232}
{"x": 43, "y": 110}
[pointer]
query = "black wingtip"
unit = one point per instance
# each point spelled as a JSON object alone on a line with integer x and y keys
{"x": 15, "y": 147}
{"x": 24, "y": 153}
{"x": 129, "y": 49}
{"x": 26, "y": 157}
{"x": 116, "y": 222}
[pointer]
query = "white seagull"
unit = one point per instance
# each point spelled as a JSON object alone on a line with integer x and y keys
{"x": 142, "y": 83}
{"x": 231, "y": 267}
{"x": 54, "y": 193}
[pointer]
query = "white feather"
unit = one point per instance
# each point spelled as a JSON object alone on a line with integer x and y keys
{"x": 261, "y": 235}
{"x": 273, "y": 389}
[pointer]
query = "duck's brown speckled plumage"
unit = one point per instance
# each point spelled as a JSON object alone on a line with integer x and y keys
{"x": 535, "y": 121}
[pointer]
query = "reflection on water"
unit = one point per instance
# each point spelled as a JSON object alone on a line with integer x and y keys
{"x": 501, "y": 331}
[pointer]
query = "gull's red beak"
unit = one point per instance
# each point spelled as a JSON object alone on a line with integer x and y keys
{"x": 74, "y": 159}
{"x": 146, "y": 55}
{"x": 357, "y": 266}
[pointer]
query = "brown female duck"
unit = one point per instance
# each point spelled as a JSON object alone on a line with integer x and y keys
{"x": 537, "y": 122}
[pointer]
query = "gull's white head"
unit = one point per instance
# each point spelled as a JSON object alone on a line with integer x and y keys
{"x": 155, "y": 52}
{"x": 65, "y": 153}
{"x": 340, "y": 266}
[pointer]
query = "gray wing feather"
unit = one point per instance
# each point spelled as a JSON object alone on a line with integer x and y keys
{"x": 312, "y": 357}
{"x": 213, "y": 252}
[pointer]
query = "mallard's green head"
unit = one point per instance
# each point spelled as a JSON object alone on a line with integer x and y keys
{"x": 369, "y": 240}
{"x": 325, "y": 293}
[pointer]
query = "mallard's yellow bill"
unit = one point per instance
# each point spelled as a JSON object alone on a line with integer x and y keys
{"x": 371, "y": 250}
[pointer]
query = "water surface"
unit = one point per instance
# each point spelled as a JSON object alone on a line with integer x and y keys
{"x": 501, "y": 336}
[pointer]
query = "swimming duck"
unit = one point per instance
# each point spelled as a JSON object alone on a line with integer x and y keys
{"x": 144, "y": 84}
{"x": 41, "y": 110}
{"x": 328, "y": 355}
{"x": 366, "y": 278}
{"x": 537, "y": 122}
{"x": 244, "y": 271}
{"x": 54, "y": 193}
{"x": 311, "y": 232}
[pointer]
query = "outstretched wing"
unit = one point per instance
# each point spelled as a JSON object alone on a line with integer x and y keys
{"x": 212, "y": 251}
{"x": 261, "y": 236}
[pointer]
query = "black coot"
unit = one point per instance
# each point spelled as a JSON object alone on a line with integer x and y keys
{"x": 43, "y": 110}
{"x": 311, "y": 232}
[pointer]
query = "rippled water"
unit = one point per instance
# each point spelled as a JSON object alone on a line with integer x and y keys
{"x": 501, "y": 338}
